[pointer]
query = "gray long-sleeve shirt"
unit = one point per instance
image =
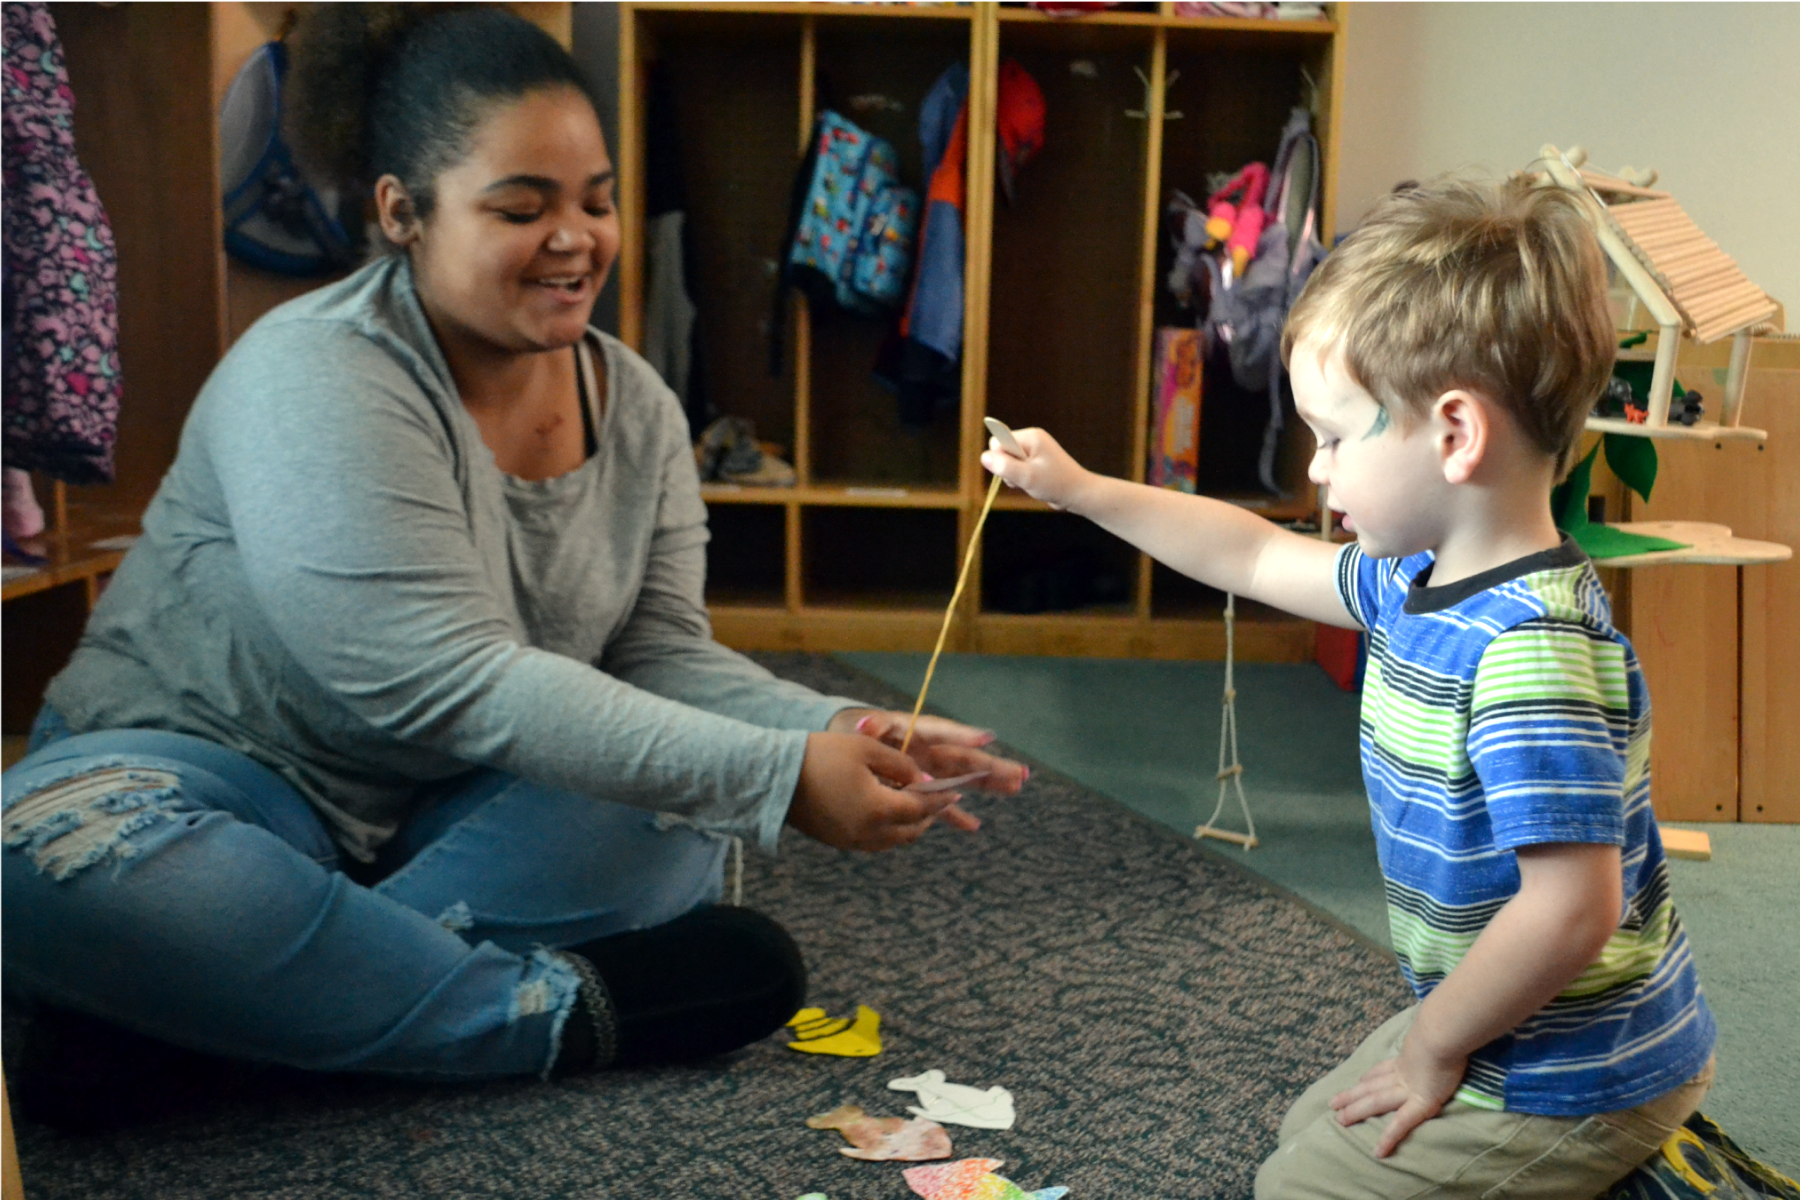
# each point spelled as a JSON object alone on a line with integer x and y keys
{"x": 337, "y": 580}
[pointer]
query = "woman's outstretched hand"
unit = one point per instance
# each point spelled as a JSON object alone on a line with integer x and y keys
{"x": 943, "y": 749}
{"x": 849, "y": 795}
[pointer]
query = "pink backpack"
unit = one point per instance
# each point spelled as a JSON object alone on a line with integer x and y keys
{"x": 61, "y": 271}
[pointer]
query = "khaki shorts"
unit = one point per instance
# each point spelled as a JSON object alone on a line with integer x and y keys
{"x": 1464, "y": 1150}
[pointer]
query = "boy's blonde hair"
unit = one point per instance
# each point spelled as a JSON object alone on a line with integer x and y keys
{"x": 1496, "y": 288}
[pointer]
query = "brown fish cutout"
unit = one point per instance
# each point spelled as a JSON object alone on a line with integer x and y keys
{"x": 884, "y": 1139}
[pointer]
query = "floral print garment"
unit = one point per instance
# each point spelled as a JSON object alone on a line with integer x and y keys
{"x": 61, "y": 278}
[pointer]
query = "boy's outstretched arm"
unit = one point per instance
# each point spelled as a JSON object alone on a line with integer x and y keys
{"x": 1217, "y": 543}
{"x": 1567, "y": 906}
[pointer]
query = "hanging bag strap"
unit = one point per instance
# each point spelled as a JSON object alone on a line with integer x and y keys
{"x": 274, "y": 217}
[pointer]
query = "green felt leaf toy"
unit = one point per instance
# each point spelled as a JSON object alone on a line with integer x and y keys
{"x": 1568, "y": 500}
{"x": 1633, "y": 460}
{"x": 1568, "y": 505}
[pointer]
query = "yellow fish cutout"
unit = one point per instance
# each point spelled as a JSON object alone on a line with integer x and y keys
{"x": 816, "y": 1033}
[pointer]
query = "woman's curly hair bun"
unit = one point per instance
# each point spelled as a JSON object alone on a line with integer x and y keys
{"x": 336, "y": 55}
{"x": 380, "y": 89}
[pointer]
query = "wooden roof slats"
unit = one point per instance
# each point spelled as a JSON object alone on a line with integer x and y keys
{"x": 1600, "y": 181}
{"x": 1706, "y": 286}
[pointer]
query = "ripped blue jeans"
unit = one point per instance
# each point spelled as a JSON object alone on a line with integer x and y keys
{"x": 180, "y": 889}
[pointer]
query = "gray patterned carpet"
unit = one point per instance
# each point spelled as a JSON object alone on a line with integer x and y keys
{"x": 1152, "y": 1008}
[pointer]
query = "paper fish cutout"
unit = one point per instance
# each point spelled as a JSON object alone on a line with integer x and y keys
{"x": 815, "y": 1033}
{"x": 884, "y": 1139}
{"x": 958, "y": 1104}
{"x": 813, "y": 1023}
{"x": 952, "y": 1181}
{"x": 945, "y": 785}
{"x": 972, "y": 1179}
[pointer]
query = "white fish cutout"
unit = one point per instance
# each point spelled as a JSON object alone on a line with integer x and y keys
{"x": 956, "y": 1103}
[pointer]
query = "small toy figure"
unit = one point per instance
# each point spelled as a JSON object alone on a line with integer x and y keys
{"x": 1615, "y": 399}
{"x": 1235, "y": 215}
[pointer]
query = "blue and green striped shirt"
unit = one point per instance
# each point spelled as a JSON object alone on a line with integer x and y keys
{"x": 1500, "y": 711}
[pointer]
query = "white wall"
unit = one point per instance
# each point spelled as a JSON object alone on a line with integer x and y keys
{"x": 1708, "y": 93}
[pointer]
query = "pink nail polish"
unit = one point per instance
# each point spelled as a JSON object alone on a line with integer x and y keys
{"x": 1027, "y": 777}
{"x": 862, "y": 726}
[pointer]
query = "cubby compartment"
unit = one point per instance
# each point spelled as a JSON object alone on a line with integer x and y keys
{"x": 747, "y": 556}
{"x": 877, "y": 73}
{"x": 1036, "y": 562}
{"x": 1244, "y": 84}
{"x": 878, "y": 558}
{"x": 1174, "y": 595}
{"x": 1064, "y": 290}
{"x": 858, "y": 438}
{"x": 1067, "y": 250}
{"x": 732, "y": 83}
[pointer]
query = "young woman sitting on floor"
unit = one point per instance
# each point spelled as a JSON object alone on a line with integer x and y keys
{"x": 400, "y": 743}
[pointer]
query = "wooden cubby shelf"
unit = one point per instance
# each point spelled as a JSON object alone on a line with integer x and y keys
{"x": 1699, "y": 431}
{"x": 1061, "y": 292}
{"x": 86, "y": 542}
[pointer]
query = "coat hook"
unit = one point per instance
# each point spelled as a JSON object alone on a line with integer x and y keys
{"x": 1143, "y": 114}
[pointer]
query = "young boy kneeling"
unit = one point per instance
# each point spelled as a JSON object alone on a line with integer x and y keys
{"x": 1445, "y": 357}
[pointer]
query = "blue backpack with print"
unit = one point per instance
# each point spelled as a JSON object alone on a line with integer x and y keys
{"x": 851, "y": 225}
{"x": 855, "y": 230}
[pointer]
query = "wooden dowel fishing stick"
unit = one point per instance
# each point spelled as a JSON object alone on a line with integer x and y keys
{"x": 1009, "y": 445}
{"x": 950, "y": 613}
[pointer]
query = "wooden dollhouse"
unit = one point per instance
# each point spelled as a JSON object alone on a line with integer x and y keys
{"x": 1684, "y": 281}
{"x": 1696, "y": 633}
{"x": 1688, "y": 287}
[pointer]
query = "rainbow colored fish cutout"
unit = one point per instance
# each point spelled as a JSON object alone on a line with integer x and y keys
{"x": 972, "y": 1179}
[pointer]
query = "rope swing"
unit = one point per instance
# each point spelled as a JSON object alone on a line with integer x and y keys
{"x": 1231, "y": 771}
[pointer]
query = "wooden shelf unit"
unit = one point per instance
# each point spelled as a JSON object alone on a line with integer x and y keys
{"x": 1720, "y": 644}
{"x": 1061, "y": 306}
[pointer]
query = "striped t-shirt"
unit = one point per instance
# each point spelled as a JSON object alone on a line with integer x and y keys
{"x": 1500, "y": 711}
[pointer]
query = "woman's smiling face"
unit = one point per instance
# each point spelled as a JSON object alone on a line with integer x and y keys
{"x": 522, "y": 231}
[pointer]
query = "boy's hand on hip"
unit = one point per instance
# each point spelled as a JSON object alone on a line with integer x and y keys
{"x": 1413, "y": 1086}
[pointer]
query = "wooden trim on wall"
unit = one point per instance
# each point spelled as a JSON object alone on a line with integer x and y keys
{"x": 1331, "y": 143}
{"x": 1769, "y": 607}
{"x": 632, "y": 185}
{"x": 11, "y": 1187}
{"x": 978, "y": 244}
{"x": 800, "y": 311}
